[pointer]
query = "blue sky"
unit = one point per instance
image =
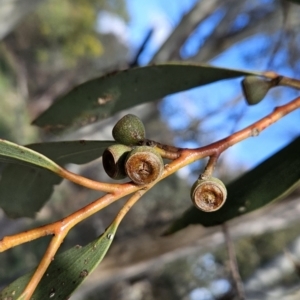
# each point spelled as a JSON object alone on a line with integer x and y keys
{"x": 163, "y": 16}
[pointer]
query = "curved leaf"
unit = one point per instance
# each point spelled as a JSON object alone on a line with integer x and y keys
{"x": 66, "y": 272}
{"x": 24, "y": 189}
{"x": 102, "y": 97}
{"x": 76, "y": 152}
{"x": 271, "y": 180}
{"x": 12, "y": 152}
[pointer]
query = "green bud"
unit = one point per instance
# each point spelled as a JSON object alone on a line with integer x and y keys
{"x": 129, "y": 130}
{"x": 255, "y": 89}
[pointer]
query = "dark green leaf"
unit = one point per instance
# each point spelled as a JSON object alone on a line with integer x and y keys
{"x": 24, "y": 189}
{"x": 271, "y": 180}
{"x": 66, "y": 272}
{"x": 13, "y": 152}
{"x": 104, "y": 96}
{"x": 76, "y": 152}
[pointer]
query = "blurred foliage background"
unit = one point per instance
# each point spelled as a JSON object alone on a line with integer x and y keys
{"x": 58, "y": 44}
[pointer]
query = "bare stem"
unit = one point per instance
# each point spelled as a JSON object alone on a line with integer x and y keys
{"x": 190, "y": 155}
{"x": 91, "y": 184}
{"x": 137, "y": 195}
{"x": 58, "y": 239}
{"x": 210, "y": 165}
{"x": 234, "y": 268}
{"x": 291, "y": 82}
{"x": 43, "y": 265}
{"x": 66, "y": 223}
{"x": 282, "y": 80}
{"x": 166, "y": 151}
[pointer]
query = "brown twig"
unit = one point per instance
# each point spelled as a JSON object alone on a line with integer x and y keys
{"x": 234, "y": 269}
{"x": 166, "y": 151}
{"x": 283, "y": 80}
{"x": 58, "y": 238}
{"x": 189, "y": 156}
{"x": 89, "y": 183}
{"x": 210, "y": 166}
{"x": 64, "y": 225}
{"x": 43, "y": 265}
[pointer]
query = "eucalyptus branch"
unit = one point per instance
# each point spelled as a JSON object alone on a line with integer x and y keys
{"x": 58, "y": 239}
{"x": 181, "y": 158}
{"x": 67, "y": 223}
{"x": 187, "y": 156}
{"x": 191, "y": 155}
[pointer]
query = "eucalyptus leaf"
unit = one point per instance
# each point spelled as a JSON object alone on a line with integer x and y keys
{"x": 25, "y": 189}
{"x": 14, "y": 152}
{"x": 68, "y": 270}
{"x": 104, "y": 96}
{"x": 76, "y": 152}
{"x": 272, "y": 180}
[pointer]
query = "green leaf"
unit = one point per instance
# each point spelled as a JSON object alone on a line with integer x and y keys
{"x": 76, "y": 152}
{"x": 68, "y": 270}
{"x": 25, "y": 189}
{"x": 102, "y": 97}
{"x": 272, "y": 180}
{"x": 13, "y": 152}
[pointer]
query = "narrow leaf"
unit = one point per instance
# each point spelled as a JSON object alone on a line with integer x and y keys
{"x": 13, "y": 152}
{"x": 102, "y": 97}
{"x": 76, "y": 152}
{"x": 272, "y": 180}
{"x": 25, "y": 189}
{"x": 68, "y": 270}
